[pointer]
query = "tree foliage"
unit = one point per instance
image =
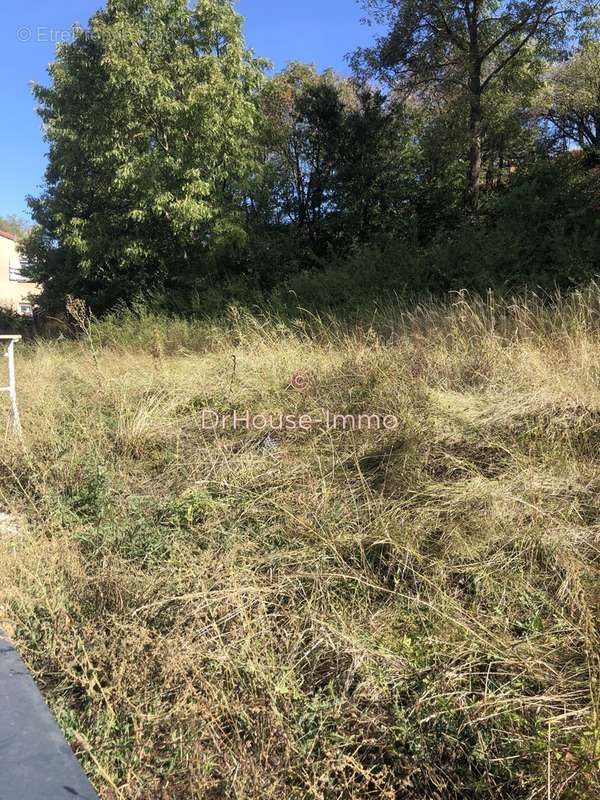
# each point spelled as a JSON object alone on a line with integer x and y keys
{"x": 147, "y": 118}
{"x": 180, "y": 172}
{"x": 468, "y": 44}
{"x": 335, "y": 166}
{"x": 570, "y": 98}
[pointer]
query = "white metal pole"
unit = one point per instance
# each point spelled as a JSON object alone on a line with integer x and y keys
{"x": 12, "y": 389}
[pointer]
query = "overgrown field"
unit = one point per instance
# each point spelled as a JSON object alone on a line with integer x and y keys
{"x": 316, "y": 615}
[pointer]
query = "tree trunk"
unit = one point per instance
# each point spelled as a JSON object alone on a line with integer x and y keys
{"x": 474, "y": 174}
{"x": 473, "y": 11}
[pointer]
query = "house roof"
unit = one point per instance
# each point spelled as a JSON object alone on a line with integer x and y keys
{"x": 6, "y": 235}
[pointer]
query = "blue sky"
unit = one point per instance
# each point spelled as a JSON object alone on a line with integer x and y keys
{"x": 317, "y": 31}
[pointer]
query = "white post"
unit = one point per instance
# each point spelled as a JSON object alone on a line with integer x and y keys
{"x": 11, "y": 389}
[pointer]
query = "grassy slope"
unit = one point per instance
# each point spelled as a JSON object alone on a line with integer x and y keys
{"x": 407, "y": 614}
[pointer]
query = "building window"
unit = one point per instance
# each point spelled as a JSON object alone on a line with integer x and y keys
{"x": 26, "y": 309}
{"x": 16, "y": 267}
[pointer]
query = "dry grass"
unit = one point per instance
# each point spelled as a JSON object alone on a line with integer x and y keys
{"x": 323, "y": 615}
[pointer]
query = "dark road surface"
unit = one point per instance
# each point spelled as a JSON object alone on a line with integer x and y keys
{"x": 36, "y": 763}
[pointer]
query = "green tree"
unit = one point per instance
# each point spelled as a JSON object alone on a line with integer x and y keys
{"x": 147, "y": 117}
{"x": 466, "y": 44}
{"x": 378, "y": 166}
{"x": 302, "y": 117}
{"x": 570, "y": 99}
{"x": 336, "y": 157}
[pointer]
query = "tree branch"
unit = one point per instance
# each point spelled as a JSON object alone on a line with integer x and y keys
{"x": 516, "y": 50}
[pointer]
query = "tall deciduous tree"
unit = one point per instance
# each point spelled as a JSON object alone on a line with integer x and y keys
{"x": 335, "y": 157}
{"x": 570, "y": 98}
{"x": 147, "y": 118}
{"x": 302, "y": 113}
{"x": 470, "y": 43}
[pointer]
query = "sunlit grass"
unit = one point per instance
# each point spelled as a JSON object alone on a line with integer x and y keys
{"x": 409, "y": 613}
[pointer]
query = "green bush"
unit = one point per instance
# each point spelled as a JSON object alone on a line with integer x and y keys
{"x": 10, "y": 322}
{"x": 543, "y": 232}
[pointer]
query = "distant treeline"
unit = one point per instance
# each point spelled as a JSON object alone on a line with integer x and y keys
{"x": 461, "y": 153}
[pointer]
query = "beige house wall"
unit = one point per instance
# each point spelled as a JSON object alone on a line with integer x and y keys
{"x": 12, "y": 293}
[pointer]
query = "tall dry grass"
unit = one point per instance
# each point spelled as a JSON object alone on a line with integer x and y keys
{"x": 323, "y": 614}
